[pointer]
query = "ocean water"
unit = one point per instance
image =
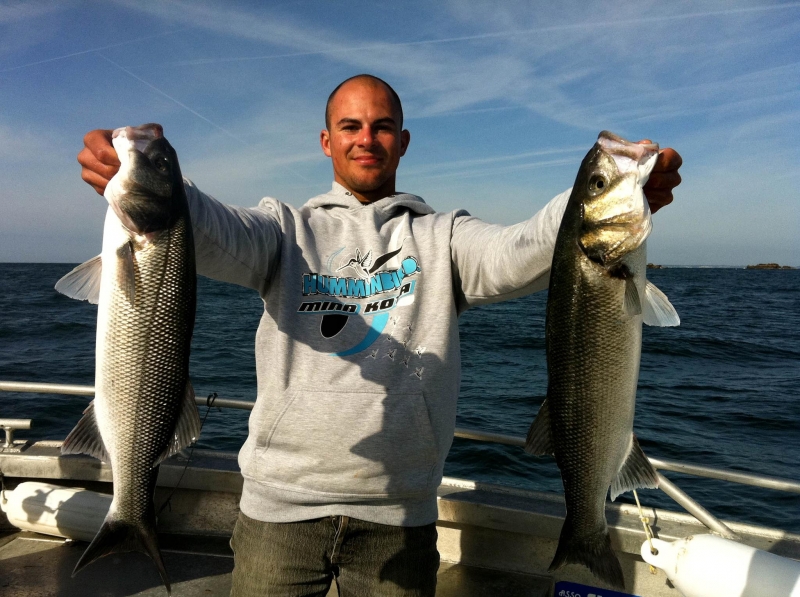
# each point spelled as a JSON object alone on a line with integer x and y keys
{"x": 722, "y": 390}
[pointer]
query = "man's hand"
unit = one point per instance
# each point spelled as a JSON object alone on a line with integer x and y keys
{"x": 99, "y": 159}
{"x": 663, "y": 178}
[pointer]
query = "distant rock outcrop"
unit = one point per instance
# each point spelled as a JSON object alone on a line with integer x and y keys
{"x": 654, "y": 266}
{"x": 767, "y": 266}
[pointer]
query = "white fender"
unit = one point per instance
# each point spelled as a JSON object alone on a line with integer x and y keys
{"x": 53, "y": 510}
{"x": 710, "y": 566}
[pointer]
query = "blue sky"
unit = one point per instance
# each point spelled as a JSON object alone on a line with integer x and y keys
{"x": 502, "y": 99}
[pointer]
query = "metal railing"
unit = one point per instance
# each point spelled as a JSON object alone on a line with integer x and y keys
{"x": 667, "y": 486}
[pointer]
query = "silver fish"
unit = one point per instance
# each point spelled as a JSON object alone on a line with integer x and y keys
{"x": 144, "y": 282}
{"x": 597, "y": 301}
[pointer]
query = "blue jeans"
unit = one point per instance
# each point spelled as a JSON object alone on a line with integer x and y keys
{"x": 301, "y": 559}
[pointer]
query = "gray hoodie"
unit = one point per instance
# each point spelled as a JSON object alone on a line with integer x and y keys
{"x": 357, "y": 352}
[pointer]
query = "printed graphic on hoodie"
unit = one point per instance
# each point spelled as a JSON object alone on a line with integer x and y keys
{"x": 377, "y": 291}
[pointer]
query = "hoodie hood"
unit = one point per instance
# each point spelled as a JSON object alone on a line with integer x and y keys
{"x": 339, "y": 196}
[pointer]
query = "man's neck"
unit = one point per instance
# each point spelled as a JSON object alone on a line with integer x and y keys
{"x": 367, "y": 197}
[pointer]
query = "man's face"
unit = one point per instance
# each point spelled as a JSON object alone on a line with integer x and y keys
{"x": 364, "y": 141}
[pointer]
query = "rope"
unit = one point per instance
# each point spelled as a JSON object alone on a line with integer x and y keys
{"x": 646, "y": 524}
{"x": 209, "y": 405}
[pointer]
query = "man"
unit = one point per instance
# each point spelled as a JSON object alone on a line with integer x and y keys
{"x": 357, "y": 351}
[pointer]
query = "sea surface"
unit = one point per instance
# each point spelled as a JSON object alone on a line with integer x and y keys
{"x": 722, "y": 390}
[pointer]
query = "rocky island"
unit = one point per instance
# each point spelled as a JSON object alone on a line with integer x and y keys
{"x": 768, "y": 266}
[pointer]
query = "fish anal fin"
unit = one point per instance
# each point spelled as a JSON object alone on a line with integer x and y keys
{"x": 657, "y": 310}
{"x": 636, "y": 472}
{"x": 83, "y": 282}
{"x": 631, "y": 304}
{"x": 539, "y": 441}
{"x": 187, "y": 427}
{"x": 592, "y": 550}
{"x": 126, "y": 272}
{"x": 85, "y": 437}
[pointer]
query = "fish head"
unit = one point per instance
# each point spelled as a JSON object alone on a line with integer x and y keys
{"x": 615, "y": 212}
{"x": 147, "y": 192}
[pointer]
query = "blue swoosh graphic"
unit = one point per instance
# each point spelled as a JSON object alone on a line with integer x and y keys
{"x": 378, "y": 323}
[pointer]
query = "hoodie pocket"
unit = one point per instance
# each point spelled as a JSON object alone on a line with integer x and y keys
{"x": 351, "y": 444}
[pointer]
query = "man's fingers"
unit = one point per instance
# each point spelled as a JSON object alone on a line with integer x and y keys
{"x": 663, "y": 180}
{"x": 98, "y": 142}
{"x": 89, "y": 161}
{"x": 658, "y": 199}
{"x": 97, "y": 182}
{"x": 98, "y": 159}
{"x": 668, "y": 159}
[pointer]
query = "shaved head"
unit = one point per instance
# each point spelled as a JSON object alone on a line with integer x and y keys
{"x": 396, "y": 105}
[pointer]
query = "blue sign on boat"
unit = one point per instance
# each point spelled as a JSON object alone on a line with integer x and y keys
{"x": 572, "y": 589}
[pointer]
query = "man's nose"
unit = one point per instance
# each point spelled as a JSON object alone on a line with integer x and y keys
{"x": 366, "y": 138}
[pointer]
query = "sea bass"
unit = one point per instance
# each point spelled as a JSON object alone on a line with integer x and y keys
{"x": 598, "y": 298}
{"x": 144, "y": 282}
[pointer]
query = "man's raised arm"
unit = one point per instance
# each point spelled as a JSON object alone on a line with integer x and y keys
{"x": 495, "y": 263}
{"x": 232, "y": 244}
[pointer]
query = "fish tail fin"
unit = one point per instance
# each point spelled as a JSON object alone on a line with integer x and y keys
{"x": 593, "y": 551}
{"x": 118, "y": 536}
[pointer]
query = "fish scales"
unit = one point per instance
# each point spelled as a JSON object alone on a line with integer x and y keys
{"x": 591, "y": 394}
{"x": 138, "y": 385}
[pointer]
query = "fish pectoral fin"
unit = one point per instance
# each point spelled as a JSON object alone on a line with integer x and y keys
{"x": 539, "y": 441}
{"x": 126, "y": 272}
{"x": 631, "y": 303}
{"x": 636, "y": 472}
{"x": 187, "y": 428}
{"x": 83, "y": 283}
{"x": 85, "y": 437}
{"x": 657, "y": 310}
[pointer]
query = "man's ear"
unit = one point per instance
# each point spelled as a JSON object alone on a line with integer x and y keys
{"x": 405, "y": 139}
{"x": 325, "y": 142}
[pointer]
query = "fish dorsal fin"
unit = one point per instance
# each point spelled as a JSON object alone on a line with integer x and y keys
{"x": 539, "y": 441}
{"x": 636, "y": 472}
{"x": 631, "y": 304}
{"x": 126, "y": 272}
{"x": 187, "y": 428}
{"x": 657, "y": 309}
{"x": 83, "y": 283}
{"x": 85, "y": 437}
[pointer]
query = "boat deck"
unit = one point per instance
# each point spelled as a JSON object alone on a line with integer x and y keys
{"x": 33, "y": 565}
{"x": 493, "y": 540}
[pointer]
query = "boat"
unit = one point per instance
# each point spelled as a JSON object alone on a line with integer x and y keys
{"x": 493, "y": 539}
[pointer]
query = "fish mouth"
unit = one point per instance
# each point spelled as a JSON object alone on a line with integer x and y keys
{"x": 616, "y": 145}
{"x": 144, "y": 132}
{"x": 140, "y": 193}
{"x": 629, "y": 156}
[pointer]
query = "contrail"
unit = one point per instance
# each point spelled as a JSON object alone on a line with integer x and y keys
{"x": 200, "y": 116}
{"x": 82, "y": 52}
{"x": 169, "y": 97}
{"x": 493, "y": 35}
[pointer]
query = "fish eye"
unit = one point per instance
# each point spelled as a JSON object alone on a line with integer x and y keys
{"x": 161, "y": 163}
{"x": 597, "y": 184}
